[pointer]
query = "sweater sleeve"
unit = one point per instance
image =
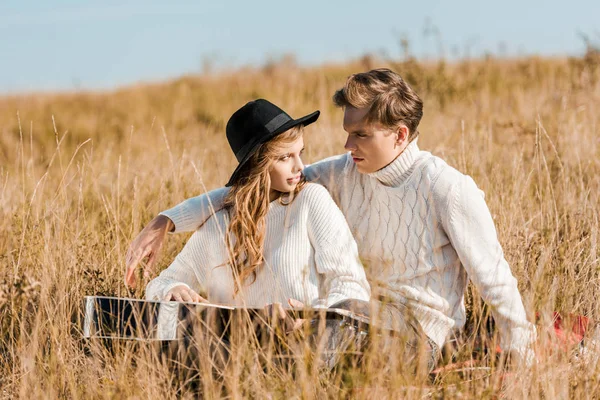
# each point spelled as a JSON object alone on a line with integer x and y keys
{"x": 328, "y": 173}
{"x": 186, "y": 269}
{"x": 471, "y": 231}
{"x": 190, "y": 214}
{"x": 336, "y": 252}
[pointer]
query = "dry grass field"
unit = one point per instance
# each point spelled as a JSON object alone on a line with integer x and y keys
{"x": 81, "y": 173}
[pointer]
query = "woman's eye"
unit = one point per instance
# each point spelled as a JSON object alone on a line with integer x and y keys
{"x": 284, "y": 158}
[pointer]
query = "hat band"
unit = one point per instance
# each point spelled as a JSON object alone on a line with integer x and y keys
{"x": 277, "y": 122}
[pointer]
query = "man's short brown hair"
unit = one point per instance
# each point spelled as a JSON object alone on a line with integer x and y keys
{"x": 390, "y": 99}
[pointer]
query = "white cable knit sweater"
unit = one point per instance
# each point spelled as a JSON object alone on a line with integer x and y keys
{"x": 423, "y": 229}
{"x": 310, "y": 255}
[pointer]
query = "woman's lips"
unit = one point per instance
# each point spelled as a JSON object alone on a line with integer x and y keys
{"x": 294, "y": 179}
{"x": 357, "y": 159}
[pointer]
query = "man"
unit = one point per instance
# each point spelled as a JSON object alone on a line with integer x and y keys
{"x": 422, "y": 227}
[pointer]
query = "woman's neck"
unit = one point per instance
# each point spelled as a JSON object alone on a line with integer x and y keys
{"x": 283, "y": 197}
{"x": 274, "y": 195}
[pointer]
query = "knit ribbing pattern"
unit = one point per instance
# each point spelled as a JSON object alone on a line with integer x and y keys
{"x": 310, "y": 255}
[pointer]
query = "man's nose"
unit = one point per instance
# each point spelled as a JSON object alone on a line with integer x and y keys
{"x": 350, "y": 144}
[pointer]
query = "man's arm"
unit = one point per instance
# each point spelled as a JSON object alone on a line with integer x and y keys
{"x": 187, "y": 216}
{"x": 184, "y": 278}
{"x": 190, "y": 214}
{"x": 329, "y": 173}
{"x": 471, "y": 231}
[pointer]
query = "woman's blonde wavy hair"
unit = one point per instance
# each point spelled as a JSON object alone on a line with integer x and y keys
{"x": 248, "y": 204}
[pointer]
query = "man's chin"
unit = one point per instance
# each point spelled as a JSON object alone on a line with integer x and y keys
{"x": 361, "y": 168}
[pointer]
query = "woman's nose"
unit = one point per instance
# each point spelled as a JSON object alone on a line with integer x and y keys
{"x": 299, "y": 165}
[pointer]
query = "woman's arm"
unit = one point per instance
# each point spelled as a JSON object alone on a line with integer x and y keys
{"x": 336, "y": 253}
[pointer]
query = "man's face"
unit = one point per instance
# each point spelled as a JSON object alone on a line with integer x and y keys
{"x": 372, "y": 145}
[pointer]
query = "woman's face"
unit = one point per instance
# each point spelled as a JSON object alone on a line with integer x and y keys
{"x": 286, "y": 169}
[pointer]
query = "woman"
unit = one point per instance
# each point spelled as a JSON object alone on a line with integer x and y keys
{"x": 278, "y": 238}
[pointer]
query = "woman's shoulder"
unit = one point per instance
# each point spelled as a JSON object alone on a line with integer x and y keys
{"x": 322, "y": 213}
{"x": 315, "y": 195}
{"x": 314, "y": 189}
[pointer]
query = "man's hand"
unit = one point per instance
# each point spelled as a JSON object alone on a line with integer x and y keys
{"x": 298, "y": 323}
{"x": 147, "y": 244}
{"x": 295, "y": 303}
{"x": 183, "y": 293}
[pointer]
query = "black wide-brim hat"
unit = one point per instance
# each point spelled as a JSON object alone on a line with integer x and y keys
{"x": 255, "y": 123}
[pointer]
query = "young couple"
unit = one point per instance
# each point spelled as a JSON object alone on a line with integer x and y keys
{"x": 421, "y": 228}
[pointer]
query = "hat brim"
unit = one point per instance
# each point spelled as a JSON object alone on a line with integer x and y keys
{"x": 304, "y": 121}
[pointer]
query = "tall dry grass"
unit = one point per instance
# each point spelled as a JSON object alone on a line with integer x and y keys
{"x": 81, "y": 173}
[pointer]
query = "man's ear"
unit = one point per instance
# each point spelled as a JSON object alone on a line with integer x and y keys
{"x": 401, "y": 134}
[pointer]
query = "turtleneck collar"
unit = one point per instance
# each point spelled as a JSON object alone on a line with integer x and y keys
{"x": 396, "y": 172}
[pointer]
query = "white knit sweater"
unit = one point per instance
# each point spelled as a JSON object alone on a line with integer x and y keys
{"x": 310, "y": 255}
{"x": 423, "y": 229}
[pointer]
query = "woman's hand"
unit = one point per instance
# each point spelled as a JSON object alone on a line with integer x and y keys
{"x": 183, "y": 293}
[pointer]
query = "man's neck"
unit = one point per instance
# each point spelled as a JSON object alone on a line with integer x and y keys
{"x": 395, "y": 172}
{"x": 401, "y": 149}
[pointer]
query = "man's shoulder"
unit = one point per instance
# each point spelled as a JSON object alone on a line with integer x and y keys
{"x": 438, "y": 175}
{"x": 431, "y": 168}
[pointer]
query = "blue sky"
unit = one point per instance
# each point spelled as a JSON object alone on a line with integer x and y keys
{"x": 66, "y": 44}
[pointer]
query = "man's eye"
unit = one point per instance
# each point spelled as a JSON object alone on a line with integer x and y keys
{"x": 360, "y": 135}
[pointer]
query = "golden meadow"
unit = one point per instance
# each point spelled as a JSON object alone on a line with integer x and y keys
{"x": 81, "y": 173}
